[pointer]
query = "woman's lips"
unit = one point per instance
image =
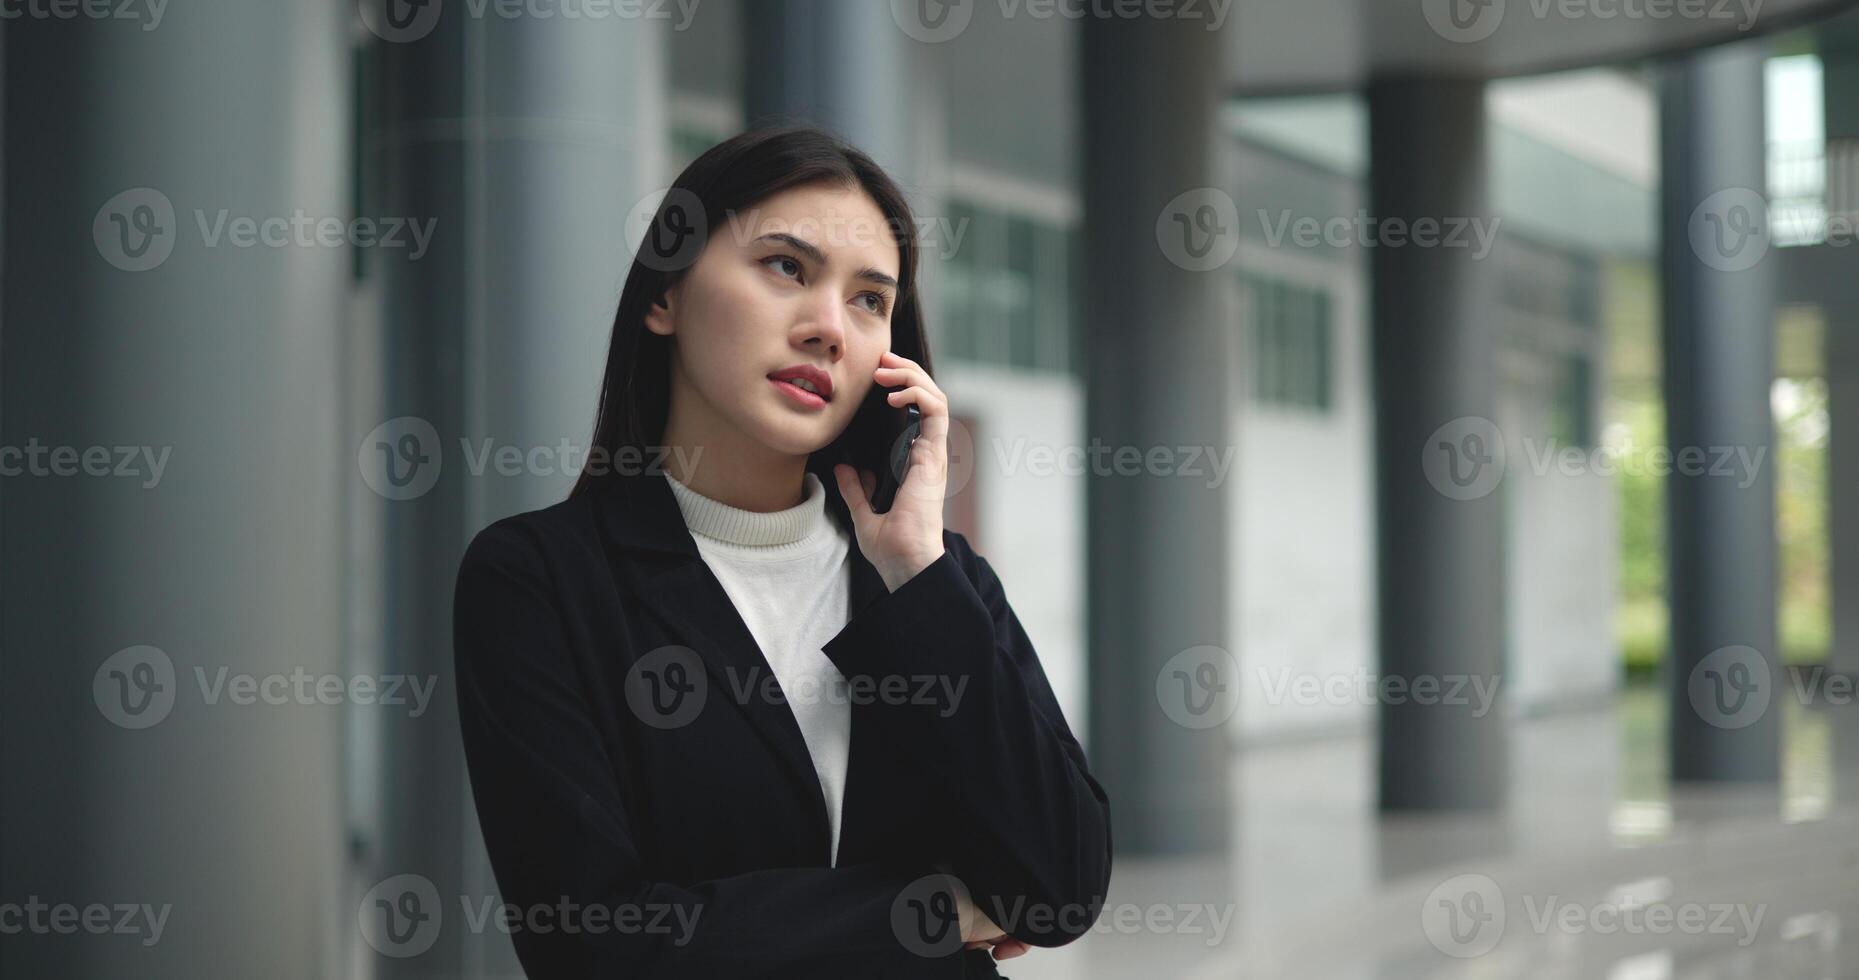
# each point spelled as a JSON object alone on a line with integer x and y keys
{"x": 799, "y": 396}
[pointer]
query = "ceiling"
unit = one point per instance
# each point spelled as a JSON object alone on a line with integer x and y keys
{"x": 1288, "y": 46}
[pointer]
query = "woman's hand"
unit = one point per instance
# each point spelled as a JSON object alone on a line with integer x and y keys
{"x": 907, "y": 538}
{"x": 979, "y": 931}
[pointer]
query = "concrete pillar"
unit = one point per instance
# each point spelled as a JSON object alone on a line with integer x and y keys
{"x": 1726, "y": 688}
{"x": 842, "y": 64}
{"x": 527, "y": 140}
{"x": 847, "y": 66}
{"x": 1158, "y": 371}
{"x": 1839, "y": 52}
{"x": 1439, "y": 455}
{"x": 1839, "y": 55}
{"x": 142, "y": 311}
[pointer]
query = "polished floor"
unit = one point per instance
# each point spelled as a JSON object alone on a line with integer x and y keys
{"x": 1598, "y": 868}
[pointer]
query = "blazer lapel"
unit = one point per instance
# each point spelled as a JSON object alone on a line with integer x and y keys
{"x": 653, "y": 556}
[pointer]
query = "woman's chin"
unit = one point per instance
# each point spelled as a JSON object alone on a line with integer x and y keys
{"x": 796, "y": 438}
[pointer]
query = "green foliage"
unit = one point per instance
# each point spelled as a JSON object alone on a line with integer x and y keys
{"x": 1799, "y": 465}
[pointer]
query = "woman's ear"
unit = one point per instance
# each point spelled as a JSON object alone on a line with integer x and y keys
{"x": 658, "y": 318}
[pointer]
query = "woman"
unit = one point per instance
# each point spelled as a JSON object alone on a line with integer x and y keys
{"x": 707, "y": 733}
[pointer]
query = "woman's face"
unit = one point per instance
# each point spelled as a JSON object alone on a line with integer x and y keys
{"x": 805, "y": 279}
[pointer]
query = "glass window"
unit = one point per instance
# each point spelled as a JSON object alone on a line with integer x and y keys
{"x": 1571, "y": 406}
{"x": 1291, "y": 345}
{"x": 1007, "y": 296}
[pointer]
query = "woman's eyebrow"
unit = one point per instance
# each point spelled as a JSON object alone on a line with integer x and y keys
{"x": 881, "y": 278}
{"x": 800, "y": 245}
{"x": 813, "y": 253}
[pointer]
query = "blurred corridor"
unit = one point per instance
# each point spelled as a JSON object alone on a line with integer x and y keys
{"x": 1419, "y": 437}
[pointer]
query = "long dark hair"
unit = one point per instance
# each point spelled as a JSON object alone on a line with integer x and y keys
{"x": 635, "y": 392}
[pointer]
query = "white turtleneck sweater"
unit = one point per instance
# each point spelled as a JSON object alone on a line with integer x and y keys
{"x": 788, "y": 575}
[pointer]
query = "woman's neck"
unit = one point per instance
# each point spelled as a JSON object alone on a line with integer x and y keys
{"x": 730, "y": 468}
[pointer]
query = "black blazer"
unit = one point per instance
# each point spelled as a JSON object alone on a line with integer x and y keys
{"x": 634, "y": 767}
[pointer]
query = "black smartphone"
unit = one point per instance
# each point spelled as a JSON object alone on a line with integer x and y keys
{"x": 891, "y": 476}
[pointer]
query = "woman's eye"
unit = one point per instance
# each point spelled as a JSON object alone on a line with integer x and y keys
{"x": 871, "y": 303}
{"x": 783, "y": 265}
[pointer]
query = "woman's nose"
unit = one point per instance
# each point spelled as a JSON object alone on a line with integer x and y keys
{"x": 823, "y": 324}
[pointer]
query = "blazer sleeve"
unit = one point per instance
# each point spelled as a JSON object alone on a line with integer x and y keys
{"x": 555, "y": 823}
{"x": 1032, "y": 834}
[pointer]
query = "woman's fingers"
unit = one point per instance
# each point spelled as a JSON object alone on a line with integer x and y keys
{"x": 851, "y": 487}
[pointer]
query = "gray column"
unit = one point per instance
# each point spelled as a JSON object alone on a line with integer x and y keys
{"x": 1724, "y": 675}
{"x": 1839, "y": 53}
{"x": 1157, "y": 373}
{"x": 1439, "y": 454}
{"x": 847, "y": 66}
{"x": 141, "y": 321}
{"x": 527, "y": 140}
{"x": 842, "y": 64}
